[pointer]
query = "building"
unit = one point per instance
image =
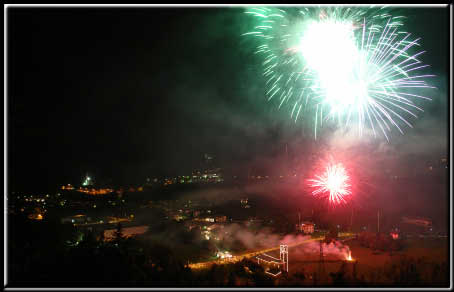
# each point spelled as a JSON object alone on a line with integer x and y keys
{"x": 244, "y": 203}
{"x": 35, "y": 216}
{"x": 76, "y": 219}
{"x": 306, "y": 227}
{"x": 68, "y": 187}
{"x": 224, "y": 255}
{"x": 221, "y": 219}
{"x": 394, "y": 235}
{"x": 274, "y": 266}
{"x": 114, "y": 220}
{"x": 94, "y": 192}
{"x": 177, "y": 217}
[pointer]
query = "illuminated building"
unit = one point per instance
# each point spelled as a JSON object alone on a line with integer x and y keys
{"x": 244, "y": 203}
{"x": 224, "y": 255}
{"x": 394, "y": 235}
{"x": 95, "y": 192}
{"x": 221, "y": 219}
{"x": 76, "y": 219}
{"x": 209, "y": 173}
{"x": 306, "y": 227}
{"x": 207, "y": 176}
{"x": 67, "y": 187}
{"x": 274, "y": 266}
{"x": 111, "y": 219}
{"x": 178, "y": 217}
{"x": 169, "y": 181}
{"x": 36, "y": 216}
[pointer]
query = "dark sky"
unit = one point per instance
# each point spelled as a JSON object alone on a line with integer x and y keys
{"x": 127, "y": 93}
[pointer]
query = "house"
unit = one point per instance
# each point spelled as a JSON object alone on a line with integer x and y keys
{"x": 306, "y": 227}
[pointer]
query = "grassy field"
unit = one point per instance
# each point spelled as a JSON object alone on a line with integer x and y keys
{"x": 434, "y": 250}
{"x": 368, "y": 262}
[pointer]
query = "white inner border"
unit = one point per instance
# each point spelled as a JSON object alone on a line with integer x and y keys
{"x": 5, "y": 104}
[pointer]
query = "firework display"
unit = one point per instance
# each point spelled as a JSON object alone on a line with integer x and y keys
{"x": 334, "y": 182}
{"x": 351, "y": 66}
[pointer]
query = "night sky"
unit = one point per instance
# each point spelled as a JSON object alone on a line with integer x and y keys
{"x": 130, "y": 93}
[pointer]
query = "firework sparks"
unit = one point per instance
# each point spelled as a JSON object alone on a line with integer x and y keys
{"x": 349, "y": 256}
{"x": 334, "y": 182}
{"x": 351, "y": 65}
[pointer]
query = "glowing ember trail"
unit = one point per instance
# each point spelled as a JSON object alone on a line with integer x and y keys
{"x": 334, "y": 181}
{"x": 349, "y": 256}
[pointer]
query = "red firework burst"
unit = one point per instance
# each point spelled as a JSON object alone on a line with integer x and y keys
{"x": 335, "y": 181}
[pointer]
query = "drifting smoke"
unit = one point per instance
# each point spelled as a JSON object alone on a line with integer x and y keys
{"x": 334, "y": 250}
{"x": 237, "y": 234}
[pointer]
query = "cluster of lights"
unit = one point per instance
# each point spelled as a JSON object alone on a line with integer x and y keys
{"x": 259, "y": 177}
{"x": 95, "y": 191}
{"x": 196, "y": 177}
{"x": 38, "y": 216}
{"x": 36, "y": 200}
{"x": 224, "y": 255}
{"x": 68, "y": 187}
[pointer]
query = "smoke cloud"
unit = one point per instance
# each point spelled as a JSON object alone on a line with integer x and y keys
{"x": 333, "y": 250}
{"x": 235, "y": 233}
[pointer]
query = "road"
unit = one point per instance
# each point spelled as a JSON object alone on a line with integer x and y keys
{"x": 204, "y": 265}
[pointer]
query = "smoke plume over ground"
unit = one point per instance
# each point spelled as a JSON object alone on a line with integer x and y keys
{"x": 235, "y": 233}
{"x": 335, "y": 250}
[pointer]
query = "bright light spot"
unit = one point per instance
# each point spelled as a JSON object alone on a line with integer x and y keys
{"x": 317, "y": 45}
{"x": 338, "y": 71}
{"x": 334, "y": 181}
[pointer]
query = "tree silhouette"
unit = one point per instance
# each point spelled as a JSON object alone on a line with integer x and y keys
{"x": 339, "y": 277}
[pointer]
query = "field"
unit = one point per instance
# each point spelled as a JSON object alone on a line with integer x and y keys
{"x": 432, "y": 250}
